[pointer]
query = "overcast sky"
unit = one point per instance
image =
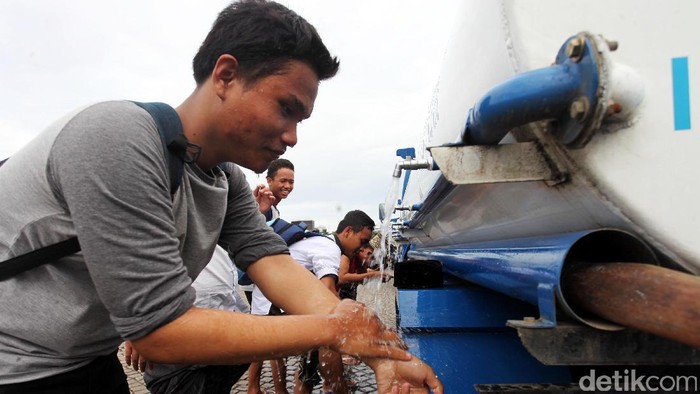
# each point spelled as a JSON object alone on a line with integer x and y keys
{"x": 58, "y": 55}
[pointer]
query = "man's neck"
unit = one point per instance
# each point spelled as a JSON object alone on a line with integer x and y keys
{"x": 337, "y": 242}
{"x": 195, "y": 114}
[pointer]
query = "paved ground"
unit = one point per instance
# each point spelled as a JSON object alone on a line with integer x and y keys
{"x": 381, "y": 298}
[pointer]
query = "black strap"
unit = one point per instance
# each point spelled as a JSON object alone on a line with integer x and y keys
{"x": 38, "y": 257}
{"x": 285, "y": 228}
{"x": 174, "y": 142}
{"x": 178, "y": 151}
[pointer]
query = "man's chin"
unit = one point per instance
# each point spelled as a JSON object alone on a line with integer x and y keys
{"x": 257, "y": 168}
{"x": 261, "y": 164}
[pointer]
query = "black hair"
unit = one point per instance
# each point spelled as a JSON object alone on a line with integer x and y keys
{"x": 357, "y": 220}
{"x": 276, "y": 165}
{"x": 264, "y": 37}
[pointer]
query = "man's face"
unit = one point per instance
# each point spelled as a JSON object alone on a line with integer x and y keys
{"x": 351, "y": 240}
{"x": 259, "y": 120}
{"x": 282, "y": 184}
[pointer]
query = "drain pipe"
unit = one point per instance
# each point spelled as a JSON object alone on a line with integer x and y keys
{"x": 647, "y": 297}
{"x": 530, "y": 269}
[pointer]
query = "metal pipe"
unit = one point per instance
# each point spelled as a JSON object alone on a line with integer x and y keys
{"x": 574, "y": 92}
{"x": 530, "y": 268}
{"x": 649, "y": 298}
{"x": 414, "y": 207}
{"x": 414, "y": 164}
{"x": 536, "y": 95}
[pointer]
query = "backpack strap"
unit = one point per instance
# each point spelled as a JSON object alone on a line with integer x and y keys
{"x": 35, "y": 258}
{"x": 177, "y": 151}
{"x": 290, "y": 232}
{"x": 175, "y": 144}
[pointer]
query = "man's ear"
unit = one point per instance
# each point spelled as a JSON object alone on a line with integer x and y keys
{"x": 225, "y": 72}
{"x": 347, "y": 231}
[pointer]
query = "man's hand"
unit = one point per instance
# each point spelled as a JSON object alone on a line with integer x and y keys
{"x": 133, "y": 358}
{"x": 361, "y": 333}
{"x": 404, "y": 377}
{"x": 264, "y": 198}
{"x": 386, "y": 277}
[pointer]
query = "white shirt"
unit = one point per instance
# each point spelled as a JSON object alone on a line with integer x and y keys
{"x": 216, "y": 284}
{"x": 318, "y": 254}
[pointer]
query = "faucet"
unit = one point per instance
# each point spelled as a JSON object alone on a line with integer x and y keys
{"x": 414, "y": 207}
{"x": 414, "y": 164}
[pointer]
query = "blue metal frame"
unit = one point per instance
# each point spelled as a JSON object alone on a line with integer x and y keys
{"x": 460, "y": 330}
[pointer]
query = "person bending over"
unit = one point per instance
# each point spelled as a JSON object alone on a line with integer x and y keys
{"x": 100, "y": 174}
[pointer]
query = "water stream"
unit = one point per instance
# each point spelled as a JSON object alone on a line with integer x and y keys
{"x": 380, "y": 254}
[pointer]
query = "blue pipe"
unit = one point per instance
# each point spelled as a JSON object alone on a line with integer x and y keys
{"x": 530, "y": 268}
{"x": 525, "y": 98}
{"x": 546, "y": 93}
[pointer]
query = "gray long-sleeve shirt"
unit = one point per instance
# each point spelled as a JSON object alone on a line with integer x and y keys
{"x": 100, "y": 174}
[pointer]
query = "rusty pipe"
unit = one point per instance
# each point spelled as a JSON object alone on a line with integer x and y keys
{"x": 646, "y": 297}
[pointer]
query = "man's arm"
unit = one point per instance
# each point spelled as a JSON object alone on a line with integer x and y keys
{"x": 203, "y": 336}
{"x": 345, "y": 276}
{"x": 355, "y": 333}
{"x": 329, "y": 281}
{"x": 291, "y": 287}
{"x": 343, "y": 270}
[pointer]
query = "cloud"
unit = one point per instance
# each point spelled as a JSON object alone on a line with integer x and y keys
{"x": 57, "y": 56}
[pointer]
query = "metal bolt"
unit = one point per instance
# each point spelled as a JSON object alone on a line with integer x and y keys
{"x": 579, "y": 108}
{"x": 613, "y": 108}
{"x": 612, "y": 45}
{"x": 574, "y": 48}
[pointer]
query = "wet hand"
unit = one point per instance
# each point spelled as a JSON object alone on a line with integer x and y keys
{"x": 359, "y": 332}
{"x": 404, "y": 377}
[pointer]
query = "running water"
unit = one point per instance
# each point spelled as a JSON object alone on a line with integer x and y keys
{"x": 385, "y": 230}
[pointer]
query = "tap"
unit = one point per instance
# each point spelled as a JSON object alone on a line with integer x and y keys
{"x": 414, "y": 207}
{"x": 414, "y": 164}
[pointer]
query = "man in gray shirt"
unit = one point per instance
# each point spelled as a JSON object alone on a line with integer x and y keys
{"x": 100, "y": 174}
